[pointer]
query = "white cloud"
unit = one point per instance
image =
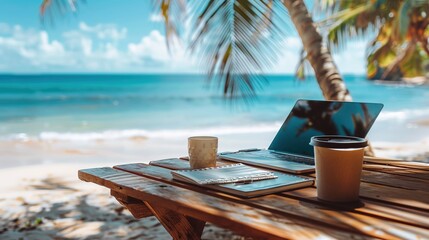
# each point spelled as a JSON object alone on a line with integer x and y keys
{"x": 99, "y": 48}
{"x": 288, "y": 60}
{"x": 111, "y": 51}
{"x": 351, "y": 60}
{"x": 86, "y": 44}
{"x": 31, "y": 47}
{"x": 152, "y": 46}
{"x": 155, "y": 17}
{"x": 50, "y": 48}
{"x": 104, "y": 31}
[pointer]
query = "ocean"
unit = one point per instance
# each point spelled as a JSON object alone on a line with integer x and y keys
{"x": 92, "y": 106}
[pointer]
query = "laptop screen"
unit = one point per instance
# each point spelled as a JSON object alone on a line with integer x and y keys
{"x": 310, "y": 118}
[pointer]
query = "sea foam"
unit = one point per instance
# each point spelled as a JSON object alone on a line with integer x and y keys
{"x": 402, "y": 115}
{"x": 132, "y": 134}
{"x": 142, "y": 133}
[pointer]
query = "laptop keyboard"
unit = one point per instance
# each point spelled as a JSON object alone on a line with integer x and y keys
{"x": 285, "y": 157}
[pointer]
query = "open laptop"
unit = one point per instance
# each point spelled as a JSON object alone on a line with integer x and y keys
{"x": 290, "y": 150}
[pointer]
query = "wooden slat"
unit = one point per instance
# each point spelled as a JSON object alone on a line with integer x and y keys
{"x": 409, "y": 198}
{"x": 171, "y": 163}
{"x": 345, "y": 220}
{"x": 178, "y": 225}
{"x": 408, "y": 172}
{"x": 241, "y": 218}
{"x": 370, "y": 207}
{"x": 397, "y": 181}
{"x": 391, "y": 194}
{"x": 398, "y": 163}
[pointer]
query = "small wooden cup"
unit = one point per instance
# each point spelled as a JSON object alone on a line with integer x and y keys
{"x": 202, "y": 151}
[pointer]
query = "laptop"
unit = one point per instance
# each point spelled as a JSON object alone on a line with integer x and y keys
{"x": 290, "y": 150}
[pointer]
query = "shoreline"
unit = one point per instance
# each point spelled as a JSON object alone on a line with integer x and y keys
{"x": 110, "y": 152}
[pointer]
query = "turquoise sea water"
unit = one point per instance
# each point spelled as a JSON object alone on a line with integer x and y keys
{"x": 103, "y": 106}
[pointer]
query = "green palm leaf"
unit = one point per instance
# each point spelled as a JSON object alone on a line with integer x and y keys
{"x": 341, "y": 27}
{"x": 172, "y": 11}
{"x": 235, "y": 39}
{"x": 401, "y": 24}
{"x": 49, "y": 8}
{"x": 411, "y": 60}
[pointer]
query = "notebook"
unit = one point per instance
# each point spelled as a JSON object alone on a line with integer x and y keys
{"x": 241, "y": 180}
{"x": 290, "y": 150}
{"x": 224, "y": 174}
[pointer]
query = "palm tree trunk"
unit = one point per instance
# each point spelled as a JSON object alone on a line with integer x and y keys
{"x": 327, "y": 75}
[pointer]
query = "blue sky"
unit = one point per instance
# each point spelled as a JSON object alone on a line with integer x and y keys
{"x": 114, "y": 36}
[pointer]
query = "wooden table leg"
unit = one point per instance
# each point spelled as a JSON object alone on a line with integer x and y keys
{"x": 137, "y": 207}
{"x": 179, "y": 226}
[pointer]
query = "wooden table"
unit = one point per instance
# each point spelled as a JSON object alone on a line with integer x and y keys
{"x": 394, "y": 204}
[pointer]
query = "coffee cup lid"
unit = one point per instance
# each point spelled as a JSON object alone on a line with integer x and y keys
{"x": 336, "y": 141}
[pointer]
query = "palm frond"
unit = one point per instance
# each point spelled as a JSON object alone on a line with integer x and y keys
{"x": 355, "y": 19}
{"x": 172, "y": 11}
{"x": 402, "y": 21}
{"x": 413, "y": 64}
{"x": 237, "y": 40}
{"x": 303, "y": 66}
{"x": 49, "y": 8}
{"x": 344, "y": 24}
{"x": 326, "y": 5}
{"x": 331, "y": 7}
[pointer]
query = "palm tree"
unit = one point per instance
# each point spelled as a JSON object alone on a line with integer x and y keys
{"x": 401, "y": 45}
{"x": 327, "y": 74}
{"x": 239, "y": 39}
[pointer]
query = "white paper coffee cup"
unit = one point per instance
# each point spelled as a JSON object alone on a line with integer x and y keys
{"x": 202, "y": 151}
{"x": 338, "y": 167}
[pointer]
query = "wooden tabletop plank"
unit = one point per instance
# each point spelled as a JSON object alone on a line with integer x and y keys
{"x": 408, "y": 172}
{"x": 397, "y": 181}
{"x": 392, "y": 180}
{"x": 370, "y": 207}
{"x": 398, "y": 163}
{"x": 394, "y": 192}
{"x": 347, "y": 220}
{"x": 241, "y": 218}
{"x": 409, "y": 198}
